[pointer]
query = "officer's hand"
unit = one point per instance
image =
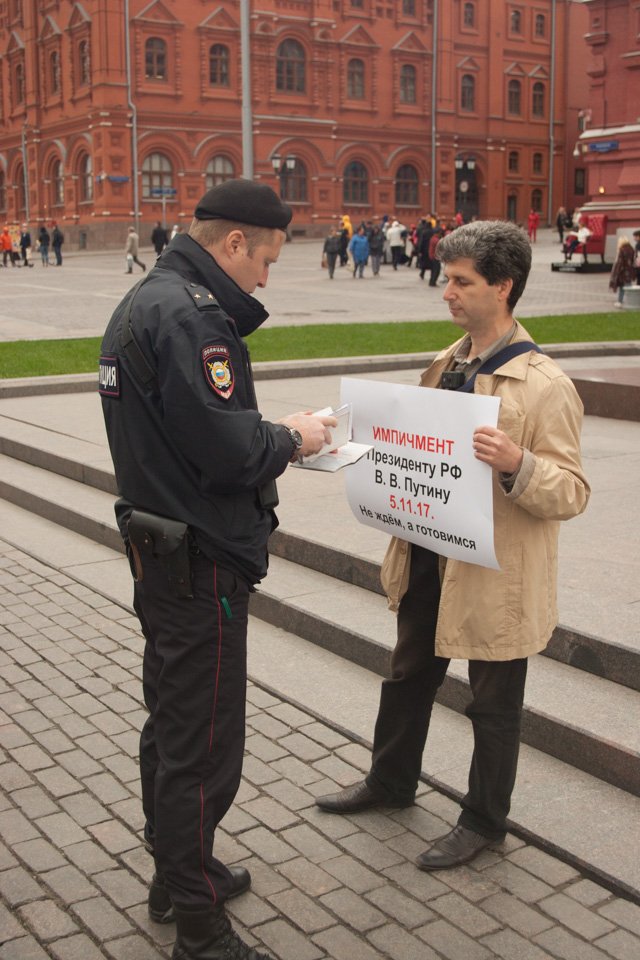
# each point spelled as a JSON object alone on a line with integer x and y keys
{"x": 314, "y": 431}
{"x": 494, "y": 447}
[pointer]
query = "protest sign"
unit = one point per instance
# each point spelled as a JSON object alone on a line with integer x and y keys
{"x": 421, "y": 481}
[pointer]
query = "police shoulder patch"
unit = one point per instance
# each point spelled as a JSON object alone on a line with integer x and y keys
{"x": 218, "y": 371}
{"x": 109, "y": 377}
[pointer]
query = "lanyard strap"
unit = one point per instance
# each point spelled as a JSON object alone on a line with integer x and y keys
{"x": 492, "y": 364}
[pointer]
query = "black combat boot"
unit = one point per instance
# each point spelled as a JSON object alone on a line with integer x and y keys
{"x": 161, "y": 908}
{"x": 208, "y": 935}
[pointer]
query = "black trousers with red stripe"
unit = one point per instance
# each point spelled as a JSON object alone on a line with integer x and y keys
{"x": 191, "y": 746}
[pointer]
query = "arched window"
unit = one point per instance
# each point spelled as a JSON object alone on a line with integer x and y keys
{"x": 290, "y": 67}
{"x": 355, "y": 79}
{"x": 85, "y": 176}
{"x": 536, "y": 200}
{"x": 540, "y": 27}
{"x": 515, "y": 21}
{"x": 469, "y": 15}
{"x": 409, "y": 8}
{"x": 57, "y": 181}
{"x": 156, "y": 173}
{"x": 514, "y": 95}
{"x": 293, "y": 181}
{"x": 3, "y": 192}
{"x": 19, "y": 78}
{"x": 155, "y": 59}
{"x": 54, "y": 72}
{"x": 219, "y": 65}
{"x": 84, "y": 64}
{"x": 407, "y": 83}
{"x": 218, "y": 170}
{"x": 468, "y": 92}
{"x": 537, "y": 100}
{"x": 356, "y": 183}
{"x": 537, "y": 162}
{"x": 407, "y": 186}
{"x": 514, "y": 161}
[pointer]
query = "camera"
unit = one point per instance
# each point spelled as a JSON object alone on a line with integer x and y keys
{"x": 452, "y": 380}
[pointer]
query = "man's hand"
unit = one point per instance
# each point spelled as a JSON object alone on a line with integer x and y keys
{"x": 494, "y": 447}
{"x": 313, "y": 430}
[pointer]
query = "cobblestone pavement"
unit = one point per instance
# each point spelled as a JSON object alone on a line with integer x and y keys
{"x": 73, "y": 872}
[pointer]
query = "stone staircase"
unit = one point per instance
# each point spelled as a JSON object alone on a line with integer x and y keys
{"x": 322, "y": 610}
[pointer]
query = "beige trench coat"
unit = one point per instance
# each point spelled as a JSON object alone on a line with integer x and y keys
{"x": 510, "y": 613}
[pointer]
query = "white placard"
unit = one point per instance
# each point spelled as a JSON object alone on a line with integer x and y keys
{"x": 421, "y": 481}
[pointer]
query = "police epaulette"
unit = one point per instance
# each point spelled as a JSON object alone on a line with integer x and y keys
{"x": 201, "y": 296}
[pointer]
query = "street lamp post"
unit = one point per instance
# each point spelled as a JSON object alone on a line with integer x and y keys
{"x": 282, "y": 169}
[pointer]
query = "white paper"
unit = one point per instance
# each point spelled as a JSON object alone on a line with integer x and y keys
{"x": 340, "y": 452}
{"x": 421, "y": 481}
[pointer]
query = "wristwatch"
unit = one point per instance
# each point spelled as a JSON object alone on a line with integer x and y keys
{"x": 296, "y": 441}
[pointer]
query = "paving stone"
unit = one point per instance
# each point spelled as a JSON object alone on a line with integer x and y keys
{"x": 250, "y": 910}
{"x": 353, "y": 874}
{"x": 237, "y": 820}
{"x": 113, "y": 836}
{"x": 310, "y": 843}
{"x": 258, "y": 746}
{"x": 379, "y": 825}
{"x": 451, "y": 942}
{"x": 544, "y": 866}
{"x": 342, "y": 944}
{"x": 329, "y": 738}
{"x": 309, "y": 877}
{"x": 132, "y": 948}
{"x": 26, "y": 948}
{"x": 465, "y": 915}
{"x": 58, "y": 782}
{"x": 39, "y": 854}
{"x": 289, "y": 714}
{"x": 79, "y": 947}
{"x": 101, "y": 918}
{"x": 89, "y": 857}
{"x": 562, "y": 943}
{"x": 303, "y": 747}
{"x": 375, "y": 854}
{"x": 290, "y": 796}
{"x": 7, "y": 858}
{"x": 354, "y": 910}
{"x": 12, "y": 736}
{"x": 423, "y": 823}
{"x": 269, "y": 812}
{"x": 620, "y": 944}
{"x": 120, "y": 886}
{"x": 509, "y": 945}
{"x": 17, "y": 886}
{"x": 34, "y": 802}
{"x": 78, "y": 764}
{"x": 302, "y": 910}
{"x": 624, "y": 913}
{"x": 14, "y": 827}
{"x": 123, "y": 768}
{"x": 9, "y": 925}
{"x": 268, "y": 726}
{"x": 418, "y": 883}
{"x": 332, "y": 827}
{"x": 106, "y": 788}
{"x": 31, "y": 757}
{"x": 60, "y": 828}
{"x": 14, "y": 777}
{"x": 404, "y": 909}
{"x": 271, "y": 848}
{"x": 33, "y": 721}
{"x": 53, "y": 741}
{"x": 518, "y": 882}
{"x": 400, "y": 944}
{"x": 339, "y": 772}
{"x": 84, "y": 809}
{"x": 69, "y": 884}
{"x": 576, "y": 917}
{"x": 517, "y": 915}
{"x": 296, "y": 770}
{"x": 587, "y": 892}
{"x": 46, "y": 920}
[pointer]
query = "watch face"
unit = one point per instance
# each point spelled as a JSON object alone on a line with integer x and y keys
{"x": 296, "y": 436}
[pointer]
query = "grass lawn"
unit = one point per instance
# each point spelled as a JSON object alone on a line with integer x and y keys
{"x": 33, "y": 358}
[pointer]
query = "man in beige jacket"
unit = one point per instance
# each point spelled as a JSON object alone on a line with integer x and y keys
{"x": 448, "y": 608}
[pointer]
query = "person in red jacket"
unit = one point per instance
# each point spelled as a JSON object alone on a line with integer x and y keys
{"x": 6, "y": 245}
{"x": 533, "y": 222}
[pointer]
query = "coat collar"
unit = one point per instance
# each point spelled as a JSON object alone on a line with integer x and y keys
{"x": 190, "y": 260}
{"x": 516, "y": 367}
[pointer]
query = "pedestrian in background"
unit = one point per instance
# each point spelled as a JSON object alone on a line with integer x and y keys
{"x": 131, "y": 251}
{"x": 6, "y": 245}
{"x": 376, "y": 246}
{"x": 159, "y": 238}
{"x": 623, "y": 270}
{"x": 44, "y": 241}
{"x": 25, "y": 245}
{"x": 563, "y": 222}
{"x": 636, "y": 239}
{"x": 396, "y": 238}
{"x": 359, "y": 250}
{"x": 57, "y": 239}
{"x": 533, "y": 222}
{"x": 331, "y": 251}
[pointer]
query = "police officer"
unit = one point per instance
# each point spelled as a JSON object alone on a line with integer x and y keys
{"x": 196, "y": 467}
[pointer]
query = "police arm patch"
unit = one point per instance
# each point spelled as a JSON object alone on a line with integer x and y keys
{"x": 109, "y": 377}
{"x": 218, "y": 371}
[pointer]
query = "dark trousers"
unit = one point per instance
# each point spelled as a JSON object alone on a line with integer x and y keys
{"x": 331, "y": 262}
{"x": 406, "y": 702}
{"x": 397, "y": 256}
{"x": 191, "y": 746}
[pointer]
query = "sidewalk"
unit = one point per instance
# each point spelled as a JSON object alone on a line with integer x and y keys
{"x": 73, "y": 872}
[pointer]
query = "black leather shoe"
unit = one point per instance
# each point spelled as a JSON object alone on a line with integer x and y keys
{"x": 160, "y": 906}
{"x": 459, "y": 846}
{"x": 358, "y": 797}
{"x": 209, "y": 936}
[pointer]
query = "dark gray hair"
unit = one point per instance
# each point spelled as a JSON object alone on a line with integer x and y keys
{"x": 499, "y": 250}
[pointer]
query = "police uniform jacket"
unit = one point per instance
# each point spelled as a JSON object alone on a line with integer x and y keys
{"x": 505, "y": 614}
{"x": 192, "y": 445}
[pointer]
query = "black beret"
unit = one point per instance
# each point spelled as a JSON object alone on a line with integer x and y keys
{"x": 244, "y": 201}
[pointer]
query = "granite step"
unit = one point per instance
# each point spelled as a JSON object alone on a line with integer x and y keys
{"x": 570, "y": 714}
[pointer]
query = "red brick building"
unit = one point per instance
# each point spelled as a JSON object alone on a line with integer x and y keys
{"x": 379, "y": 106}
{"x": 609, "y": 145}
